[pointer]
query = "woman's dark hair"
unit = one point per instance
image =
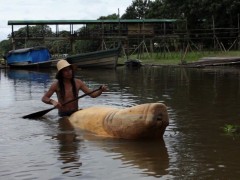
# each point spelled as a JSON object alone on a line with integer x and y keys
{"x": 61, "y": 84}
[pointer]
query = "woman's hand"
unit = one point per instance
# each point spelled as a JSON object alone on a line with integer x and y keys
{"x": 55, "y": 103}
{"x": 104, "y": 88}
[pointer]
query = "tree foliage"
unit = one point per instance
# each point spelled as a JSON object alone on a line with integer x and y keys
{"x": 139, "y": 9}
{"x": 5, "y": 46}
{"x": 225, "y": 12}
{"x": 111, "y": 16}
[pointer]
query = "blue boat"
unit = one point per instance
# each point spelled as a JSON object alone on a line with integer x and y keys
{"x": 35, "y": 57}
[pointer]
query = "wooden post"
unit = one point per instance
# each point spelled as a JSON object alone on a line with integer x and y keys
{"x": 214, "y": 34}
{"x": 151, "y": 46}
{"x": 13, "y": 39}
{"x": 126, "y": 48}
{"x": 73, "y": 46}
{"x": 238, "y": 33}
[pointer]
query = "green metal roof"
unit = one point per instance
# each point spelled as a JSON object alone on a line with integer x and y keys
{"x": 62, "y": 22}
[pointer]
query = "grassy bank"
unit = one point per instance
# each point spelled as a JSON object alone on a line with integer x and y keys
{"x": 175, "y": 58}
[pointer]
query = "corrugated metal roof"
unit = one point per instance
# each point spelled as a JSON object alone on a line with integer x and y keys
{"x": 62, "y": 22}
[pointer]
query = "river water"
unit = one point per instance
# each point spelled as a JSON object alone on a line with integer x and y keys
{"x": 200, "y": 103}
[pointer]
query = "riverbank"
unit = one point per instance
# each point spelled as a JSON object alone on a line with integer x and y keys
{"x": 176, "y": 59}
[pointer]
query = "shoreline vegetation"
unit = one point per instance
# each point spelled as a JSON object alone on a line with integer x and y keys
{"x": 176, "y": 58}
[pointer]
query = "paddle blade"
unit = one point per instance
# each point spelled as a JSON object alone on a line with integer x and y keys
{"x": 37, "y": 114}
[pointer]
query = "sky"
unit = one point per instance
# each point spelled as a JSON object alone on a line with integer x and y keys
{"x": 56, "y": 10}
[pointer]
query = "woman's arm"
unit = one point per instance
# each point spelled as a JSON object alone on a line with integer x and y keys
{"x": 47, "y": 96}
{"x": 85, "y": 89}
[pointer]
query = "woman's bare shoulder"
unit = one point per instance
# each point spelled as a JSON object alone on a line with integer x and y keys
{"x": 54, "y": 85}
{"x": 79, "y": 81}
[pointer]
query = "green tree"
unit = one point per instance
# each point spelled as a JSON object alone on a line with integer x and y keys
{"x": 83, "y": 46}
{"x": 139, "y": 9}
{"x": 31, "y": 31}
{"x": 111, "y": 16}
{"x": 200, "y": 12}
{"x": 157, "y": 10}
{"x": 5, "y": 46}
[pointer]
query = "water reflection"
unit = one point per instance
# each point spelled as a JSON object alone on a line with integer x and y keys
{"x": 27, "y": 83}
{"x": 149, "y": 156}
{"x": 200, "y": 102}
{"x": 29, "y": 76}
{"x": 151, "y": 84}
{"x": 68, "y": 148}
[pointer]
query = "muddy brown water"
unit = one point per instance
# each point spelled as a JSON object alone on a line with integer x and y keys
{"x": 200, "y": 102}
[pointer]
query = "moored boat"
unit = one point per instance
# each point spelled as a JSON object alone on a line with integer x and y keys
{"x": 35, "y": 57}
{"x": 98, "y": 59}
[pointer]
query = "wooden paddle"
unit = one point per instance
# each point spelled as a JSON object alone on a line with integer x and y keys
{"x": 41, "y": 113}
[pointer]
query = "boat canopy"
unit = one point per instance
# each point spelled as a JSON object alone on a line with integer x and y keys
{"x": 30, "y": 55}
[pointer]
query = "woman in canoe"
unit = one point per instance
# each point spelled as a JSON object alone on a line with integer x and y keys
{"x": 67, "y": 88}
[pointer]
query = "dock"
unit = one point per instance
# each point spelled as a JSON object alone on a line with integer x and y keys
{"x": 214, "y": 61}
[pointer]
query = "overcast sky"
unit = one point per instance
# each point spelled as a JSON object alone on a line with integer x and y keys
{"x": 56, "y": 10}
